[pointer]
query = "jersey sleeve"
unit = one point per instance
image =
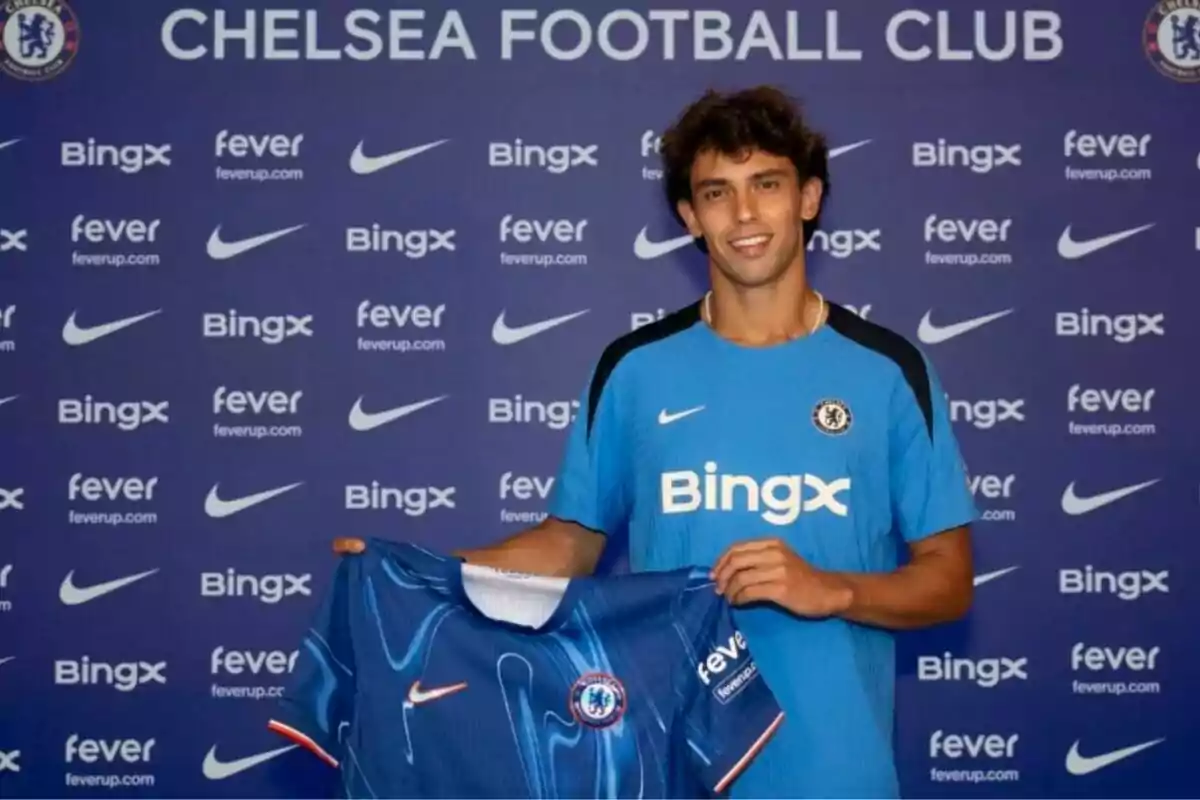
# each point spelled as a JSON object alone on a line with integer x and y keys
{"x": 320, "y": 696}
{"x": 591, "y": 488}
{"x": 928, "y": 477}
{"x": 728, "y": 711}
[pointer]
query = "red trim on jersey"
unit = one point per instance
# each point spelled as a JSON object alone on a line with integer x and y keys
{"x": 745, "y": 760}
{"x": 303, "y": 740}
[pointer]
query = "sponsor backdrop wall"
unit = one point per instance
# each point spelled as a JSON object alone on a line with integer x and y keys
{"x": 272, "y": 276}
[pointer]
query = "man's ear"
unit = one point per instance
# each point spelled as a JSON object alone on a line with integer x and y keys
{"x": 684, "y": 207}
{"x": 810, "y": 198}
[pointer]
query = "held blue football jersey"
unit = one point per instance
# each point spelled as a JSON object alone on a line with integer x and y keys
{"x": 839, "y": 443}
{"x": 422, "y": 676}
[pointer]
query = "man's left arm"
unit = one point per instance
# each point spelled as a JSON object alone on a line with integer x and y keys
{"x": 932, "y": 506}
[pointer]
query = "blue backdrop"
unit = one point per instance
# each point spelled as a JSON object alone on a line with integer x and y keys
{"x": 268, "y": 277}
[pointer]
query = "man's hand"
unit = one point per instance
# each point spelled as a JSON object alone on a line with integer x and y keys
{"x": 768, "y": 570}
{"x": 348, "y": 546}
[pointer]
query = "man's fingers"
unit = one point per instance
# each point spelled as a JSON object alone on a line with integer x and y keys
{"x": 744, "y": 547}
{"x": 737, "y": 562}
{"x": 348, "y": 545}
{"x": 753, "y": 584}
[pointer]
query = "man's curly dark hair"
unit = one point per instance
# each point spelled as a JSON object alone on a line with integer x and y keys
{"x": 760, "y": 118}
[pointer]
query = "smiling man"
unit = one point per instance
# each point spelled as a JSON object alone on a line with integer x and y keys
{"x": 772, "y": 434}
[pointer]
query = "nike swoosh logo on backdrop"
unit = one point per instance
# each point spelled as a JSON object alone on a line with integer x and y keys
{"x": 217, "y": 508}
{"x": 72, "y": 595}
{"x": 215, "y": 770}
{"x": 980, "y": 580}
{"x": 846, "y": 148}
{"x": 417, "y": 696}
{"x": 361, "y": 164}
{"x": 221, "y": 250}
{"x": 364, "y": 421}
{"x": 9, "y": 143}
{"x": 665, "y": 418}
{"x": 502, "y": 334}
{"x": 4, "y": 400}
{"x": 1069, "y": 248}
{"x": 929, "y": 333}
{"x": 1083, "y": 765}
{"x": 75, "y": 336}
{"x": 1075, "y": 505}
{"x": 6, "y": 659}
{"x": 645, "y": 249}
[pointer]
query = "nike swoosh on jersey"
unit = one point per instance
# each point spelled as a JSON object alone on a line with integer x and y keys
{"x": 666, "y": 418}
{"x": 1083, "y": 765}
{"x": 846, "y": 148}
{"x": 1074, "y": 505}
{"x": 417, "y": 695}
{"x": 217, "y": 508}
{"x": 645, "y": 249}
{"x": 361, "y": 164}
{"x": 369, "y": 420}
{"x": 991, "y": 576}
{"x": 929, "y": 333}
{"x": 216, "y": 770}
{"x": 221, "y": 250}
{"x": 72, "y": 595}
{"x": 502, "y": 334}
{"x": 75, "y": 336}
{"x": 1071, "y": 249}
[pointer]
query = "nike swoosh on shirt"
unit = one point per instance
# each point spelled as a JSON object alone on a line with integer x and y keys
{"x": 75, "y": 335}
{"x": 929, "y": 333}
{"x": 1075, "y": 505}
{"x": 1083, "y": 765}
{"x": 217, "y": 508}
{"x": 502, "y": 334}
{"x": 72, "y": 595}
{"x": 665, "y": 418}
{"x": 1069, "y": 248}
{"x": 369, "y": 420}
{"x": 417, "y": 695}
{"x": 221, "y": 250}
{"x": 991, "y": 576}
{"x": 215, "y": 770}
{"x": 361, "y": 164}
{"x": 645, "y": 249}
{"x": 9, "y": 143}
{"x": 846, "y": 148}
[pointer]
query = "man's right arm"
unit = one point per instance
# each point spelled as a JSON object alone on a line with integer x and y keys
{"x": 553, "y": 547}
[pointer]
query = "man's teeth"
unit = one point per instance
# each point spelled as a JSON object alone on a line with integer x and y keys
{"x": 752, "y": 241}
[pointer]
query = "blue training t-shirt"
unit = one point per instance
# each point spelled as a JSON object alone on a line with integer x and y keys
{"x": 425, "y": 677}
{"x": 839, "y": 443}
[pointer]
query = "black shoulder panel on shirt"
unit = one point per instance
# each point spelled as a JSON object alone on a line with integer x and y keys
{"x": 671, "y": 324}
{"x": 892, "y": 345}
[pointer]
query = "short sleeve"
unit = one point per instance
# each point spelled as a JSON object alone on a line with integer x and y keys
{"x": 728, "y": 712}
{"x": 928, "y": 477}
{"x": 318, "y": 702}
{"x": 591, "y": 486}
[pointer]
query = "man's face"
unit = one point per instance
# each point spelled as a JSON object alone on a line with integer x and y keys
{"x": 750, "y": 212}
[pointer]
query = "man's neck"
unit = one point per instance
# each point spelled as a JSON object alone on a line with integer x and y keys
{"x": 764, "y": 315}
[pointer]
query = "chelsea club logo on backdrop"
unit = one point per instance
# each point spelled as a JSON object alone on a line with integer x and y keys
{"x": 597, "y": 700}
{"x": 1171, "y": 38}
{"x": 38, "y": 39}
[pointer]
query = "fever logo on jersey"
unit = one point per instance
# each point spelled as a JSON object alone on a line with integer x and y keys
{"x": 598, "y": 700}
{"x": 832, "y": 417}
